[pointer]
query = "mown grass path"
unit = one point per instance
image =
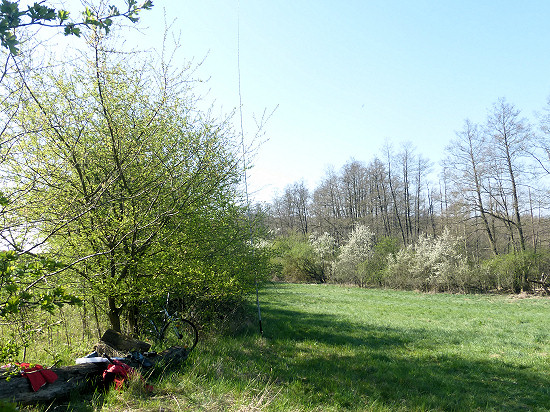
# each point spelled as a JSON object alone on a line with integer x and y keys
{"x": 336, "y": 348}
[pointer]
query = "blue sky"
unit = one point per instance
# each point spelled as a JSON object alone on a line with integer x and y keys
{"x": 347, "y": 75}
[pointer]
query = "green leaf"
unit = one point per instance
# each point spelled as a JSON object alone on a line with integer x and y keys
{"x": 92, "y": 21}
{"x": 3, "y": 200}
{"x": 40, "y": 12}
{"x": 113, "y": 11}
{"x": 147, "y": 5}
{"x": 70, "y": 29}
{"x": 62, "y": 15}
{"x": 10, "y": 41}
{"x": 9, "y": 7}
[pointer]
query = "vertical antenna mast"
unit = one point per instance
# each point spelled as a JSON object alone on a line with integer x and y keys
{"x": 245, "y": 166}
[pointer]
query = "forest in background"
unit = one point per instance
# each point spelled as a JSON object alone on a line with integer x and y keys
{"x": 480, "y": 224}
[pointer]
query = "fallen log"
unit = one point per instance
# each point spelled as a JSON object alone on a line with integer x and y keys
{"x": 123, "y": 343}
{"x": 81, "y": 377}
{"x": 17, "y": 388}
{"x": 545, "y": 285}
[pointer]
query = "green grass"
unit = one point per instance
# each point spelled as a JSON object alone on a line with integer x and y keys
{"x": 329, "y": 348}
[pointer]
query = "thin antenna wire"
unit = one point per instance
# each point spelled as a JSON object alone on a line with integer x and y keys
{"x": 245, "y": 166}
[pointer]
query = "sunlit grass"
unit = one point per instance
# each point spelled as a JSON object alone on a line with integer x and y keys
{"x": 337, "y": 348}
{"x": 330, "y": 348}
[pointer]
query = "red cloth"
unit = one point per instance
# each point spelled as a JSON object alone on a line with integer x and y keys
{"x": 117, "y": 372}
{"x": 37, "y": 375}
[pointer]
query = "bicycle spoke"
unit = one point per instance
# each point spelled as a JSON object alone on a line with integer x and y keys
{"x": 182, "y": 332}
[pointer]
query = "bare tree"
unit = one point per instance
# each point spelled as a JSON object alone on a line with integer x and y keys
{"x": 379, "y": 196}
{"x": 393, "y": 191}
{"x": 422, "y": 169}
{"x": 353, "y": 181}
{"x": 292, "y": 208}
{"x": 509, "y": 136}
{"x": 467, "y": 169}
{"x": 328, "y": 207}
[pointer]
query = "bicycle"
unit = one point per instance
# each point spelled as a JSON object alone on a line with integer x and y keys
{"x": 172, "y": 329}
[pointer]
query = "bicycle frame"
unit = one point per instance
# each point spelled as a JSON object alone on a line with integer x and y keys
{"x": 182, "y": 327}
{"x": 166, "y": 321}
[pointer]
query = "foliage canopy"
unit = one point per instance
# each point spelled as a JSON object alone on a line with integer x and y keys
{"x": 121, "y": 178}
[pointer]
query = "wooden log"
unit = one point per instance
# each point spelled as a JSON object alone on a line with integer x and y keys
{"x": 69, "y": 378}
{"x": 545, "y": 285}
{"x": 80, "y": 377}
{"x": 124, "y": 343}
{"x": 17, "y": 388}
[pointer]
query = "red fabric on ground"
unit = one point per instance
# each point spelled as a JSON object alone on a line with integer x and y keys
{"x": 37, "y": 375}
{"x": 118, "y": 372}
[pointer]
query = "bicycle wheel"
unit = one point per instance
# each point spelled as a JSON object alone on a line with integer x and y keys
{"x": 182, "y": 332}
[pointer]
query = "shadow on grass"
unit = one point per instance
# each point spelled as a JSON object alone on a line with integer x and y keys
{"x": 78, "y": 401}
{"x": 326, "y": 362}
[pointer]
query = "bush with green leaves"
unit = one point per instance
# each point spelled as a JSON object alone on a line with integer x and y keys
{"x": 374, "y": 268}
{"x": 128, "y": 182}
{"x": 28, "y": 282}
{"x": 296, "y": 259}
{"x": 27, "y": 285}
{"x": 513, "y": 271}
{"x": 431, "y": 264}
{"x": 209, "y": 265}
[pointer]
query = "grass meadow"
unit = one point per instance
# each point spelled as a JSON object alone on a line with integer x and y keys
{"x": 332, "y": 348}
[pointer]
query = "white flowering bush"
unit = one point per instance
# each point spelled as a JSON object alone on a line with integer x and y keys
{"x": 431, "y": 264}
{"x": 324, "y": 247}
{"x": 350, "y": 266}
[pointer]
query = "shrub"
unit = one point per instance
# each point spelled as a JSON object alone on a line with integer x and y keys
{"x": 375, "y": 267}
{"x": 512, "y": 271}
{"x": 350, "y": 266}
{"x": 324, "y": 247}
{"x": 296, "y": 260}
{"x": 431, "y": 264}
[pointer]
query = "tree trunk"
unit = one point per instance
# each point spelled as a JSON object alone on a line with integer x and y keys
{"x": 114, "y": 314}
{"x": 515, "y": 200}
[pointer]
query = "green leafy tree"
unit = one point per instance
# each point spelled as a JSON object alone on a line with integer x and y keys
{"x": 296, "y": 259}
{"x": 513, "y": 271}
{"x": 374, "y": 267}
{"x": 26, "y": 278}
{"x": 116, "y": 160}
{"x": 23, "y": 290}
{"x": 209, "y": 262}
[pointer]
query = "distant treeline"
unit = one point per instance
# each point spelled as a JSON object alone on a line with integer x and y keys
{"x": 489, "y": 200}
